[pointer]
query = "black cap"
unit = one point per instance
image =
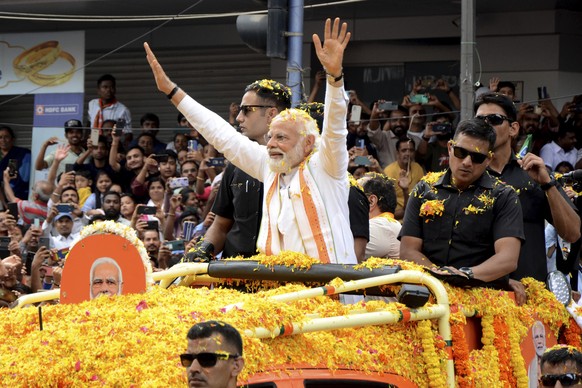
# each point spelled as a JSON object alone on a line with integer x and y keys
{"x": 73, "y": 123}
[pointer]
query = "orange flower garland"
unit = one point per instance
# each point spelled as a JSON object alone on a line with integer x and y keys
{"x": 461, "y": 351}
{"x": 571, "y": 334}
{"x": 502, "y": 345}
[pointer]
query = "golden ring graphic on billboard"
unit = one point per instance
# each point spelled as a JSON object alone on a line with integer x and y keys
{"x": 55, "y": 79}
{"x": 36, "y": 58}
{"x": 31, "y": 62}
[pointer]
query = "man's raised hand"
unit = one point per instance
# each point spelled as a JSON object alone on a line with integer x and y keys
{"x": 331, "y": 52}
{"x": 163, "y": 82}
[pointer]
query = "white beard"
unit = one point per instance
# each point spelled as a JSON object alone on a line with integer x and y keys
{"x": 289, "y": 160}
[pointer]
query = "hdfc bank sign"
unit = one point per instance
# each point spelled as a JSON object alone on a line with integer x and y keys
{"x": 57, "y": 109}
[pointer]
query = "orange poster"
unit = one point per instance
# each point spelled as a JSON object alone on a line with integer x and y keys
{"x": 99, "y": 265}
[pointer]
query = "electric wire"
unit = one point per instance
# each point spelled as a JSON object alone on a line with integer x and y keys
{"x": 107, "y": 53}
{"x": 141, "y": 18}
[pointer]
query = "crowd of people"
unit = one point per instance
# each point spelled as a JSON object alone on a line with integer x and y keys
{"x": 270, "y": 178}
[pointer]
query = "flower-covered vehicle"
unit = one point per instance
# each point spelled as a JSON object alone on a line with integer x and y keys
{"x": 296, "y": 331}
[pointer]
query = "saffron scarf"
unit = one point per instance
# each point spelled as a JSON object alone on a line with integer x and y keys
{"x": 98, "y": 122}
{"x": 311, "y": 215}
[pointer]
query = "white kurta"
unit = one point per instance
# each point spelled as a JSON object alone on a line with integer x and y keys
{"x": 383, "y": 238}
{"x": 326, "y": 176}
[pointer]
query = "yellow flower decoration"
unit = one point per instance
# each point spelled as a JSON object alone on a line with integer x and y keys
{"x": 432, "y": 177}
{"x": 432, "y": 208}
{"x": 275, "y": 87}
{"x": 436, "y": 377}
{"x": 473, "y": 210}
{"x": 118, "y": 329}
{"x": 571, "y": 349}
{"x": 486, "y": 200}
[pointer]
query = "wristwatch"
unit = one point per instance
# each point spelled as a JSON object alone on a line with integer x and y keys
{"x": 467, "y": 271}
{"x": 549, "y": 185}
{"x": 334, "y": 79}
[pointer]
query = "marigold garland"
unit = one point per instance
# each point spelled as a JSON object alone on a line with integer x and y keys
{"x": 501, "y": 343}
{"x": 517, "y": 361}
{"x": 488, "y": 357}
{"x": 541, "y": 301}
{"x": 571, "y": 334}
{"x": 129, "y": 331}
{"x": 434, "y": 363}
{"x": 461, "y": 352}
{"x": 81, "y": 343}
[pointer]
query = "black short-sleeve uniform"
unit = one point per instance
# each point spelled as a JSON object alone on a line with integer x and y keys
{"x": 536, "y": 209}
{"x": 240, "y": 198}
{"x": 473, "y": 219}
{"x": 359, "y": 213}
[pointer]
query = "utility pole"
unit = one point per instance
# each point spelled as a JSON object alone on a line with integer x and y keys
{"x": 467, "y": 65}
{"x": 295, "y": 51}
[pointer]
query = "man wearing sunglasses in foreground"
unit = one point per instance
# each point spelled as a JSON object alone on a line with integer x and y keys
{"x": 561, "y": 367}
{"x": 214, "y": 355}
{"x": 540, "y": 196}
{"x": 465, "y": 225}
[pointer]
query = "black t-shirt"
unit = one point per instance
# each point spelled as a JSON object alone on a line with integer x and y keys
{"x": 359, "y": 213}
{"x": 536, "y": 209}
{"x": 240, "y": 198}
{"x": 472, "y": 220}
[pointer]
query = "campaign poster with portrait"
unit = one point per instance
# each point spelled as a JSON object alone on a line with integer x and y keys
{"x": 102, "y": 265}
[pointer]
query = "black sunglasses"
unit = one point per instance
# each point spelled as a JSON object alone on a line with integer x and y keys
{"x": 462, "y": 153}
{"x": 567, "y": 379}
{"x": 245, "y": 109}
{"x": 206, "y": 360}
{"x": 494, "y": 119}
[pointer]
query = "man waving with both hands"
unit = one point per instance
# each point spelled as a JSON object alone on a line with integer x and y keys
{"x": 305, "y": 174}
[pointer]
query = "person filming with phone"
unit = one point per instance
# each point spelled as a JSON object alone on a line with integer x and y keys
{"x": 62, "y": 227}
{"x": 28, "y": 211}
{"x": 17, "y": 159}
{"x": 360, "y": 158}
{"x": 432, "y": 149}
{"x": 406, "y": 172}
